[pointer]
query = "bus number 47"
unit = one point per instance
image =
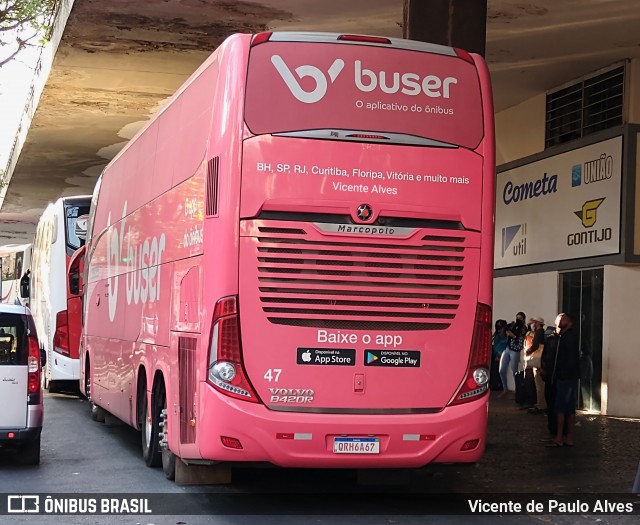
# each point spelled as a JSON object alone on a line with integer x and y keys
{"x": 273, "y": 374}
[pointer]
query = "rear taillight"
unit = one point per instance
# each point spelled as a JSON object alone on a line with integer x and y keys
{"x": 61, "y": 335}
{"x": 226, "y": 367}
{"x": 33, "y": 363}
{"x": 476, "y": 382}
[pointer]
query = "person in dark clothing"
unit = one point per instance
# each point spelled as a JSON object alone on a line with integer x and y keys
{"x": 547, "y": 371}
{"x": 527, "y": 399}
{"x": 566, "y": 375}
{"x": 510, "y": 360}
{"x": 498, "y": 345}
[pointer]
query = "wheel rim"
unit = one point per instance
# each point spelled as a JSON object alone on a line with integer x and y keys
{"x": 162, "y": 435}
{"x": 168, "y": 458}
{"x": 148, "y": 427}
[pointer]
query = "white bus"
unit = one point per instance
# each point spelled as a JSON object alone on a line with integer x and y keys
{"x": 60, "y": 232}
{"x": 15, "y": 260}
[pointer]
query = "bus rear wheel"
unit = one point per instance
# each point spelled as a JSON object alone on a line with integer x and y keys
{"x": 150, "y": 439}
{"x": 168, "y": 457}
{"x": 97, "y": 413}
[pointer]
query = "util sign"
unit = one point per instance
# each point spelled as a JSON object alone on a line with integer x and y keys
{"x": 139, "y": 262}
{"x": 366, "y": 80}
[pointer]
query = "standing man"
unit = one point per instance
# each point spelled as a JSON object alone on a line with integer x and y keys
{"x": 567, "y": 375}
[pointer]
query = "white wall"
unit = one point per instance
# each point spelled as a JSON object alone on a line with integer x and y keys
{"x": 621, "y": 344}
{"x": 520, "y": 130}
{"x": 535, "y": 294}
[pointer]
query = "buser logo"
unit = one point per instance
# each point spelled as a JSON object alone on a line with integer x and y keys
{"x": 308, "y": 97}
{"x": 366, "y": 81}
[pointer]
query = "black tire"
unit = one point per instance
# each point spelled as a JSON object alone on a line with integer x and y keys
{"x": 97, "y": 413}
{"x": 52, "y": 386}
{"x": 168, "y": 457}
{"x": 169, "y": 464}
{"x": 30, "y": 452}
{"x": 149, "y": 432}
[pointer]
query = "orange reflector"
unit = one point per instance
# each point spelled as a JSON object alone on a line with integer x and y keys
{"x": 470, "y": 445}
{"x": 230, "y": 442}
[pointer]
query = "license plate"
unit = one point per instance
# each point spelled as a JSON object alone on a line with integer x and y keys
{"x": 346, "y": 445}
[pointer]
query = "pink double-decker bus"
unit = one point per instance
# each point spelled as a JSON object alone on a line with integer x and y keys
{"x": 292, "y": 262}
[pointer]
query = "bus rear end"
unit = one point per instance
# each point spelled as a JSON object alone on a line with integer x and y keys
{"x": 60, "y": 232}
{"x": 360, "y": 334}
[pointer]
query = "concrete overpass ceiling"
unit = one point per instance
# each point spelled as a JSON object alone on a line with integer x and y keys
{"x": 533, "y": 47}
{"x": 120, "y": 60}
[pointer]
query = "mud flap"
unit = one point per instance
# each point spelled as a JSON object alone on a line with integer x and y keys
{"x": 219, "y": 474}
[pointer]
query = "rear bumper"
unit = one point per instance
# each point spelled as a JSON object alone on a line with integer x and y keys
{"x": 21, "y": 435}
{"x": 261, "y": 432}
{"x": 30, "y": 432}
{"x": 63, "y": 368}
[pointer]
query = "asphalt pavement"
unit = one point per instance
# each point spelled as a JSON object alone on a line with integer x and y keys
{"x": 82, "y": 456}
{"x": 604, "y": 459}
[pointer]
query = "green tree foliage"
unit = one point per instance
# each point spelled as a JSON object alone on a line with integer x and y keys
{"x": 24, "y": 23}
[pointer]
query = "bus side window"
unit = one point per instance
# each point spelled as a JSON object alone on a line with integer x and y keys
{"x": 17, "y": 271}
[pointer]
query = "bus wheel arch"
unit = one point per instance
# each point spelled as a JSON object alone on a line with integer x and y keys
{"x": 141, "y": 395}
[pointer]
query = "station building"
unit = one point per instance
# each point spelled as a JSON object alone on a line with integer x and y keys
{"x": 567, "y": 224}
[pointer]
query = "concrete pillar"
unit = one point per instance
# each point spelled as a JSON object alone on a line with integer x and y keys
{"x": 456, "y": 23}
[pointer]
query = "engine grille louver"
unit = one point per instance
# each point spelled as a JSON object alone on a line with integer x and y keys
{"x": 359, "y": 283}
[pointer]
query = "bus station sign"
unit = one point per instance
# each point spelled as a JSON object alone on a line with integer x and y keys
{"x": 560, "y": 208}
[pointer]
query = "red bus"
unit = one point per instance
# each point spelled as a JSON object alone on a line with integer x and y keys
{"x": 292, "y": 262}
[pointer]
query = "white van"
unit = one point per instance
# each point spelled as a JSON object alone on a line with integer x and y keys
{"x": 21, "y": 406}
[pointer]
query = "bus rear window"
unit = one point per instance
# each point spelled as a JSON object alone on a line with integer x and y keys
{"x": 299, "y": 86}
{"x": 14, "y": 348}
